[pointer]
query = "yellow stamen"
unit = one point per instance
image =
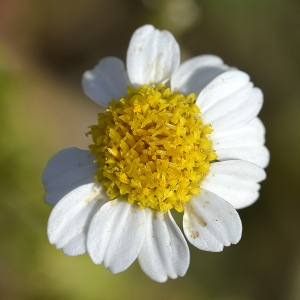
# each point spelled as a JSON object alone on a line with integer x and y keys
{"x": 152, "y": 148}
{"x": 136, "y": 108}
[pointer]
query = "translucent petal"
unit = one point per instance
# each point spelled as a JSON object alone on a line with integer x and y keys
{"x": 246, "y": 143}
{"x": 235, "y": 181}
{"x": 108, "y": 80}
{"x": 116, "y": 235}
{"x": 229, "y": 101}
{"x": 71, "y": 216}
{"x": 66, "y": 170}
{"x": 165, "y": 252}
{"x": 152, "y": 56}
{"x": 210, "y": 223}
{"x": 195, "y": 73}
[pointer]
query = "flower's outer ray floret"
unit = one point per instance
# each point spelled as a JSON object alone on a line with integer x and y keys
{"x": 152, "y": 147}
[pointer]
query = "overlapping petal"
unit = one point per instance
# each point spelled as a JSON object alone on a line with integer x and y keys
{"x": 65, "y": 171}
{"x": 164, "y": 252}
{"x": 246, "y": 143}
{"x": 195, "y": 73}
{"x": 77, "y": 245}
{"x": 236, "y": 181}
{"x": 229, "y": 101}
{"x": 210, "y": 223}
{"x": 71, "y": 217}
{"x": 108, "y": 80}
{"x": 152, "y": 56}
{"x": 116, "y": 235}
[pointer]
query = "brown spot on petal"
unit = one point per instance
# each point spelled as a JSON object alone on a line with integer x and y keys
{"x": 133, "y": 208}
{"x": 194, "y": 215}
{"x": 194, "y": 234}
{"x": 93, "y": 195}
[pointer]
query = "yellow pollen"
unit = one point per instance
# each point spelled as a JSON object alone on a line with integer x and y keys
{"x": 177, "y": 141}
{"x": 113, "y": 152}
{"x": 136, "y": 108}
{"x": 162, "y": 183}
{"x": 123, "y": 178}
{"x": 146, "y": 191}
{"x": 152, "y": 148}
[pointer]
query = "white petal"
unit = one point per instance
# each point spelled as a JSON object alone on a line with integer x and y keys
{"x": 77, "y": 245}
{"x": 71, "y": 216}
{"x": 165, "y": 252}
{"x": 152, "y": 56}
{"x": 107, "y": 81}
{"x": 210, "y": 223}
{"x": 235, "y": 181}
{"x": 257, "y": 155}
{"x": 229, "y": 101}
{"x": 66, "y": 170}
{"x": 195, "y": 73}
{"x": 116, "y": 235}
{"x": 246, "y": 143}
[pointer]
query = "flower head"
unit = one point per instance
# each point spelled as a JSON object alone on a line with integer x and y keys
{"x": 183, "y": 137}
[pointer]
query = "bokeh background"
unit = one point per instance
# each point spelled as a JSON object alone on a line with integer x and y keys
{"x": 45, "y": 46}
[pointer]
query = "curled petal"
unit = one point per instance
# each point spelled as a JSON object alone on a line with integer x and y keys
{"x": 235, "y": 181}
{"x": 210, "y": 223}
{"x": 116, "y": 235}
{"x": 108, "y": 80}
{"x": 66, "y": 170}
{"x": 195, "y": 73}
{"x": 164, "y": 252}
{"x": 152, "y": 56}
{"x": 71, "y": 216}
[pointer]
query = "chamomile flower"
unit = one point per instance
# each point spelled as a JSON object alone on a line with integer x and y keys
{"x": 169, "y": 137}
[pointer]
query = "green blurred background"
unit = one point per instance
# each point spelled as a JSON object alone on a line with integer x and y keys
{"x": 45, "y": 46}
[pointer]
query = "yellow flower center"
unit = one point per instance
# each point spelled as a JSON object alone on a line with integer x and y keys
{"x": 152, "y": 147}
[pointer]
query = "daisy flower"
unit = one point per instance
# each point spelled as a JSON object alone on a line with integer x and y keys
{"x": 169, "y": 136}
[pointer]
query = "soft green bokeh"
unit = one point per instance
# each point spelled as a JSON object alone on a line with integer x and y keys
{"x": 44, "y": 48}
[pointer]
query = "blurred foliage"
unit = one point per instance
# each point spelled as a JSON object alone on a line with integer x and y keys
{"x": 44, "y": 48}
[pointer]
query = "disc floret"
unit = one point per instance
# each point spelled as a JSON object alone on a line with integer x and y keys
{"x": 152, "y": 148}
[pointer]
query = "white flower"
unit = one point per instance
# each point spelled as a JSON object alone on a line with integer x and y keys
{"x": 153, "y": 151}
